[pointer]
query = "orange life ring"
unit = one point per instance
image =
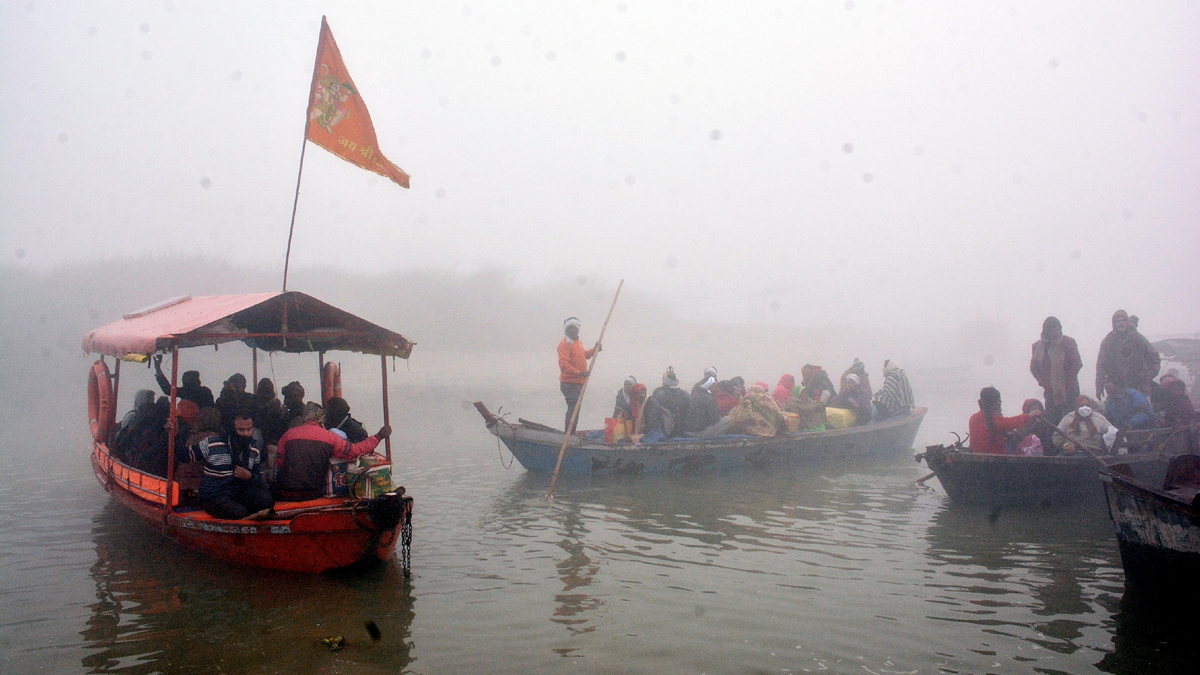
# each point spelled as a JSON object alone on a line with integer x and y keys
{"x": 102, "y": 414}
{"x": 331, "y": 382}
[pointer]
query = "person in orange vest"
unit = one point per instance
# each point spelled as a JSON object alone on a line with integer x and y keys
{"x": 572, "y": 367}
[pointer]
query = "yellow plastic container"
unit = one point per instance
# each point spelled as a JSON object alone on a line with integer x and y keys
{"x": 839, "y": 418}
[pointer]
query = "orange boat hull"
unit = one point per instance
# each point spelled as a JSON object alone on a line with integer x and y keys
{"x": 323, "y": 535}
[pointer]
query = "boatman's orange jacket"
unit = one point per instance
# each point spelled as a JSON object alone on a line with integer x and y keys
{"x": 572, "y": 361}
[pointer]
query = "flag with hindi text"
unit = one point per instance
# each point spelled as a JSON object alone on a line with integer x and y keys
{"x": 337, "y": 116}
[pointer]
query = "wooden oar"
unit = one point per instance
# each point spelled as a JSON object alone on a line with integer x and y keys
{"x": 921, "y": 481}
{"x": 579, "y": 401}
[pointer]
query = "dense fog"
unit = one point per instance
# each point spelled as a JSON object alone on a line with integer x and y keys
{"x": 777, "y": 184}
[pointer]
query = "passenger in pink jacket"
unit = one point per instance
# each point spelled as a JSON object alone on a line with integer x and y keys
{"x": 302, "y": 460}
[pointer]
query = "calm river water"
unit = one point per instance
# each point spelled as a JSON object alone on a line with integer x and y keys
{"x": 838, "y": 567}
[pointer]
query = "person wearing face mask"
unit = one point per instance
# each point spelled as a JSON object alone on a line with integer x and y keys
{"x": 1055, "y": 365}
{"x": 1084, "y": 428}
{"x": 1126, "y": 357}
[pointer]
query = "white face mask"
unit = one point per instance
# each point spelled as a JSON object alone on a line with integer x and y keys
{"x": 1085, "y": 411}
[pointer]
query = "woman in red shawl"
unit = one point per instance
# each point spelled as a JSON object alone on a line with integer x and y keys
{"x": 988, "y": 427}
{"x": 783, "y": 391}
{"x": 637, "y": 405}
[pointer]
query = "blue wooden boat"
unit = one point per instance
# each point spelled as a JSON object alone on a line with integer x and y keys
{"x": 536, "y": 447}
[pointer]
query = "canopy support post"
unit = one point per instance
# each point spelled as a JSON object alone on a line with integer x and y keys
{"x": 116, "y": 391}
{"x": 172, "y": 426}
{"x": 387, "y": 442}
{"x": 254, "y": 368}
{"x": 321, "y": 376}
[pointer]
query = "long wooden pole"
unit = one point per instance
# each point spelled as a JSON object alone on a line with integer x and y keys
{"x": 579, "y": 402}
{"x": 287, "y": 257}
{"x": 304, "y": 146}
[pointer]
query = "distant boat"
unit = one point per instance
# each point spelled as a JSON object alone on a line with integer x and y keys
{"x": 536, "y": 447}
{"x": 311, "y": 536}
{"x": 1155, "y": 510}
{"x": 1013, "y": 480}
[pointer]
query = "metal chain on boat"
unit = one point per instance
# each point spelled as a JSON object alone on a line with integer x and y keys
{"x": 406, "y": 545}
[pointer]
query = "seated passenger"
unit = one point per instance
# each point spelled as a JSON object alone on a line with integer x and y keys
{"x": 233, "y": 399}
{"x": 227, "y": 490}
{"x": 637, "y": 408}
{"x": 710, "y": 371}
{"x": 268, "y": 412}
{"x": 247, "y": 447}
{"x": 1173, "y": 404}
{"x": 147, "y": 447}
{"x": 1126, "y": 408}
{"x": 864, "y": 380}
{"x": 783, "y": 390}
{"x": 302, "y": 460}
{"x": 812, "y": 414}
{"x": 1033, "y": 439}
{"x": 816, "y": 384}
{"x": 1083, "y": 428}
{"x": 130, "y": 425}
{"x": 293, "y": 405}
{"x": 757, "y": 414}
{"x": 988, "y": 427}
{"x": 622, "y": 409}
{"x": 895, "y": 398}
{"x": 703, "y": 413}
{"x": 666, "y": 411}
{"x": 855, "y": 398}
{"x": 190, "y": 388}
{"x": 339, "y": 421}
{"x": 727, "y": 394}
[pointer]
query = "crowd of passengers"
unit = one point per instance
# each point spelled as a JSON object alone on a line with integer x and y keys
{"x": 716, "y": 407}
{"x": 1128, "y": 397}
{"x": 250, "y": 449}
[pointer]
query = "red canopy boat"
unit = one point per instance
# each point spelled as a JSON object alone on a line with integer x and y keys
{"x": 311, "y": 536}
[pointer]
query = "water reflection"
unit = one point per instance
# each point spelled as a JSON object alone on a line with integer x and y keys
{"x": 801, "y": 529}
{"x": 577, "y": 571}
{"x": 1045, "y": 576}
{"x": 1154, "y": 635}
{"x": 160, "y": 608}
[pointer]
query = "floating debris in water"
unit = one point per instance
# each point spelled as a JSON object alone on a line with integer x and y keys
{"x": 373, "y": 631}
{"x": 335, "y": 643}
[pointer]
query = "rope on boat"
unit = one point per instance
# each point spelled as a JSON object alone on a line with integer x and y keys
{"x": 500, "y": 418}
{"x": 500, "y": 453}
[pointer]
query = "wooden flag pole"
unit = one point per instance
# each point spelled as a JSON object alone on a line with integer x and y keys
{"x": 579, "y": 402}
{"x": 287, "y": 257}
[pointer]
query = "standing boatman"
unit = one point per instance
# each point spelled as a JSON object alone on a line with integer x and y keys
{"x": 572, "y": 367}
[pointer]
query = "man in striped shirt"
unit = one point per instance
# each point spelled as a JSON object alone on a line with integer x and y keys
{"x": 895, "y": 398}
{"x": 233, "y": 487}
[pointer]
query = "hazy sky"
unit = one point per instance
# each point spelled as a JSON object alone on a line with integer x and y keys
{"x": 807, "y": 162}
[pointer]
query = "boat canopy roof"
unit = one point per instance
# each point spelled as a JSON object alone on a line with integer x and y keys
{"x": 287, "y": 322}
{"x": 1182, "y": 350}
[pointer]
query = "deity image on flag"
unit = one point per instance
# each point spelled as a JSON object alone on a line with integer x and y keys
{"x": 337, "y": 115}
{"x": 328, "y": 95}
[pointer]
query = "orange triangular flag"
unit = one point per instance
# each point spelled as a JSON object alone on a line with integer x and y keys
{"x": 337, "y": 116}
